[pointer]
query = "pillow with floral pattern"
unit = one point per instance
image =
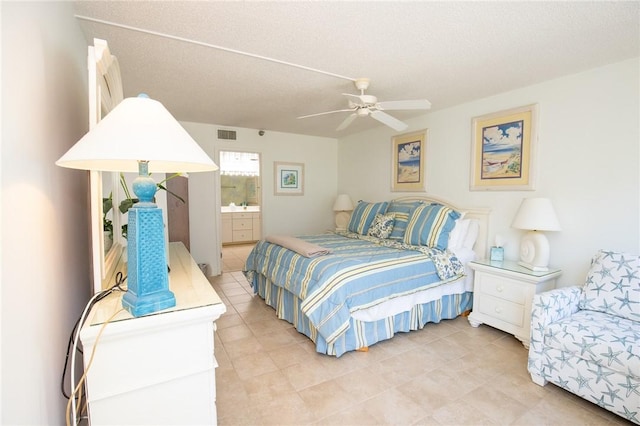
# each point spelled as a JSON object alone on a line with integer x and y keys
{"x": 382, "y": 226}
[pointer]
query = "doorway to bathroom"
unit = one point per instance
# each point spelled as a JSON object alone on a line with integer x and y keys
{"x": 240, "y": 197}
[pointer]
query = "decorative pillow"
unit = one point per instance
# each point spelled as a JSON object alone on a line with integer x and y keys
{"x": 363, "y": 216}
{"x": 430, "y": 226}
{"x": 402, "y": 212}
{"x": 613, "y": 285}
{"x": 382, "y": 226}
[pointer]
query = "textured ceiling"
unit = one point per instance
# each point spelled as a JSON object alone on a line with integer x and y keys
{"x": 446, "y": 52}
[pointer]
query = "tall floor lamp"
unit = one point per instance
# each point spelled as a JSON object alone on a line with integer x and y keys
{"x": 141, "y": 135}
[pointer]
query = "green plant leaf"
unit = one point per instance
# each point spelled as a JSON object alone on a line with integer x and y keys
{"x": 161, "y": 186}
{"x": 107, "y": 204}
{"x": 123, "y": 183}
{"x": 126, "y": 204}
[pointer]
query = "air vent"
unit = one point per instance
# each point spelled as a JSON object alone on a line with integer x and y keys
{"x": 227, "y": 134}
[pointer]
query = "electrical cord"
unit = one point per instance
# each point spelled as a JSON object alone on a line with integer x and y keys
{"x": 120, "y": 279}
{"x": 66, "y": 359}
{"x": 75, "y": 334}
{"x": 78, "y": 389}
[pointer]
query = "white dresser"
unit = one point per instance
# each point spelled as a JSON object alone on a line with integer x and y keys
{"x": 503, "y": 293}
{"x": 160, "y": 368}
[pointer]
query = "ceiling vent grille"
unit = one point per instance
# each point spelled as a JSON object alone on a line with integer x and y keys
{"x": 227, "y": 134}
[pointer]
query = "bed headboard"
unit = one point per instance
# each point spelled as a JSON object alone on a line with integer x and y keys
{"x": 481, "y": 214}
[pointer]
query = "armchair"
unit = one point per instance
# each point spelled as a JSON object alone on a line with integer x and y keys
{"x": 587, "y": 339}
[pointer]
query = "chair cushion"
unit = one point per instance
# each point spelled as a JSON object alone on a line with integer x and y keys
{"x": 607, "y": 340}
{"x": 613, "y": 285}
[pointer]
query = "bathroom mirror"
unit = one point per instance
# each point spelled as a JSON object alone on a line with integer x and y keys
{"x": 239, "y": 178}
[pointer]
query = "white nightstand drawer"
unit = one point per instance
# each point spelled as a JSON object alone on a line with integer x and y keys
{"x": 503, "y": 288}
{"x": 502, "y": 310}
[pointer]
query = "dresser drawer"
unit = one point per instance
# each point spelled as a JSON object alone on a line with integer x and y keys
{"x": 243, "y": 235}
{"x": 500, "y": 287}
{"x": 243, "y": 215}
{"x": 501, "y": 309}
{"x": 239, "y": 224}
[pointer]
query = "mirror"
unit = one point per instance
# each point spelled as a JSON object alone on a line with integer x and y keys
{"x": 105, "y": 91}
{"x": 239, "y": 178}
{"x": 106, "y": 251}
{"x": 239, "y": 190}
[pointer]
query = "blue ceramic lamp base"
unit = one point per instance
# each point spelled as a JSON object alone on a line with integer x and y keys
{"x": 147, "y": 276}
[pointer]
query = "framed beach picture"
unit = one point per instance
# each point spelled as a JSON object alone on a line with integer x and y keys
{"x": 289, "y": 178}
{"x": 408, "y": 162}
{"x": 503, "y": 149}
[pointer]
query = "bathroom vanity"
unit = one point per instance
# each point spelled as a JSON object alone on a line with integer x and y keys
{"x": 241, "y": 224}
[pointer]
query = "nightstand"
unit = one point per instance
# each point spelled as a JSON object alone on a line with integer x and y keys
{"x": 503, "y": 293}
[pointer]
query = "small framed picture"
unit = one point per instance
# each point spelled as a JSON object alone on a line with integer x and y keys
{"x": 289, "y": 178}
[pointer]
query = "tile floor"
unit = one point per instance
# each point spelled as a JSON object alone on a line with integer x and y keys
{"x": 233, "y": 256}
{"x": 445, "y": 374}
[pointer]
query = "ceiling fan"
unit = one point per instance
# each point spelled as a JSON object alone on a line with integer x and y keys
{"x": 368, "y": 105}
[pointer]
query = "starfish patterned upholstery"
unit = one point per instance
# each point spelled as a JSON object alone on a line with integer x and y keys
{"x": 587, "y": 339}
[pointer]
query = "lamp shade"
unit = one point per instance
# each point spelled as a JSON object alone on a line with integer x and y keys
{"x": 138, "y": 129}
{"x": 343, "y": 203}
{"x": 536, "y": 214}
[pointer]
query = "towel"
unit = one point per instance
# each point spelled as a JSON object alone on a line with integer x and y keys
{"x": 302, "y": 247}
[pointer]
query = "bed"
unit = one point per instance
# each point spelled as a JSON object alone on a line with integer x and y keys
{"x": 399, "y": 265}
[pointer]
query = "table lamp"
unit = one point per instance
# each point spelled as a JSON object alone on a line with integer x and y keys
{"x": 139, "y": 134}
{"x": 342, "y": 207}
{"x": 535, "y": 215}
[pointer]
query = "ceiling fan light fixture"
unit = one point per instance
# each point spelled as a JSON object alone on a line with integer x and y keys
{"x": 368, "y": 105}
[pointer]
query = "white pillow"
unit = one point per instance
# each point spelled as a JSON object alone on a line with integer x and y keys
{"x": 472, "y": 234}
{"x": 458, "y": 234}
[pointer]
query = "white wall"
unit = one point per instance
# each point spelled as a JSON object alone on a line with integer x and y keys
{"x": 45, "y": 236}
{"x": 290, "y": 215}
{"x": 588, "y": 163}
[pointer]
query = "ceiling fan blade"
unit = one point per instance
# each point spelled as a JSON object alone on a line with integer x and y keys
{"x": 390, "y": 121}
{"x": 328, "y": 112}
{"x": 347, "y": 121}
{"x": 398, "y": 105}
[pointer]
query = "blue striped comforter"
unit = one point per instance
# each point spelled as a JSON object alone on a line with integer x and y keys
{"x": 360, "y": 272}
